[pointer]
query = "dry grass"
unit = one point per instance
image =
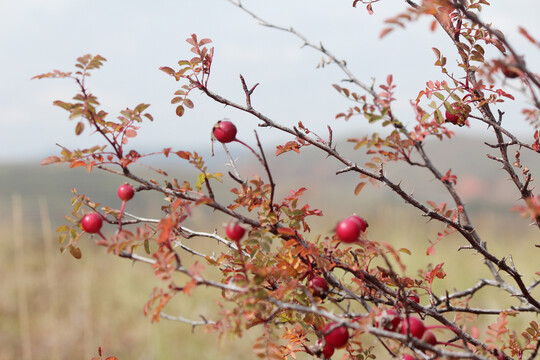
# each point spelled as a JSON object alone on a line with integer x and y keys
{"x": 56, "y": 307}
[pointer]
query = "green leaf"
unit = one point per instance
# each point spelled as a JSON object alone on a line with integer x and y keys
{"x": 147, "y": 246}
{"x": 405, "y": 250}
{"x": 141, "y": 107}
{"x": 79, "y": 128}
{"x": 75, "y": 114}
{"x": 438, "y": 116}
{"x": 439, "y": 95}
{"x": 62, "y": 228}
{"x": 455, "y": 97}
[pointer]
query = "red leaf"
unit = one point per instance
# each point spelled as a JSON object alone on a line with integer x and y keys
{"x": 183, "y": 154}
{"x": 130, "y": 133}
{"x": 167, "y": 70}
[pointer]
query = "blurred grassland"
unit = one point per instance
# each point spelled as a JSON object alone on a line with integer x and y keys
{"x": 55, "y": 307}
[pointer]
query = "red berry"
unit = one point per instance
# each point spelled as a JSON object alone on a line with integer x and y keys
{"x": 348, "y": 230}
{"x": 360, "y": 221}
{"x": 459, "y": 115}
{"x": 319, "y": 286}
{"x": 416, "y": 327}
{"x": 327, "y": 351}
{"x": 388, "y": 320}
{"x": 337, "y": 337}
{"x": 407, "y": 357}
{"x": 91, "y": 223}
{"x": 414, "y": 297}
{"x": 509, "y": 72}
{"x": 125, "y": 192}
{"x": 430, "y": 338}
{"x": 509, "y": 68}
{"x": 225, "y": 131}
{"x": 235, "y": 232}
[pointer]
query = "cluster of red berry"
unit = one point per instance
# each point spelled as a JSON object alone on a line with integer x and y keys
{"x": 413, "y": 326}
{"x": 349, "y": 230}
{"x": 335, "y": 337}
{"x": 93, "y": 222}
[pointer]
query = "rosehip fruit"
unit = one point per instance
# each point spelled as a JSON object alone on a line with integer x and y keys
{"x": 126, "y": 192}
{"x": 319, "y": 286}
{"x": 224, "y": 131}
{"x": 413, "y": 296}
{"x": 388, "y": 320}
{"x": 348, "y": 230}
{"x": 360, "y": 221}
{"x": 337, "y": 337}
{"x": 91, "y": 223}
{"x": 235, "y": 232}
{"x": 459, "y": 115}
{"x": 509, "y": 73}
{"x": 416, "y": 327}
{"x": 508, "y": 67}
{"x": 430, "y": 338}
{"x": 327, "y": 351}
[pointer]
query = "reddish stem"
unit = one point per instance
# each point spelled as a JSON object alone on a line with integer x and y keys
{"x": 252, "y": 150}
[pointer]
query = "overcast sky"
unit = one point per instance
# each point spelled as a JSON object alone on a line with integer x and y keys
{"x": 137, "y": 37}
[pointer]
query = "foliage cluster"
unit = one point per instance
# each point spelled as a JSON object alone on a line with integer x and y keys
{"x": 363, "y": 291}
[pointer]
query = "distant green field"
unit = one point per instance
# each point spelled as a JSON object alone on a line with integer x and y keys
{"x": 56, "y": 307}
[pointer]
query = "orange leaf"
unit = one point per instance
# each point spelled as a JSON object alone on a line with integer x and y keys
{"x": 286, "y": 231}
{"x": 50, "y": 160}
